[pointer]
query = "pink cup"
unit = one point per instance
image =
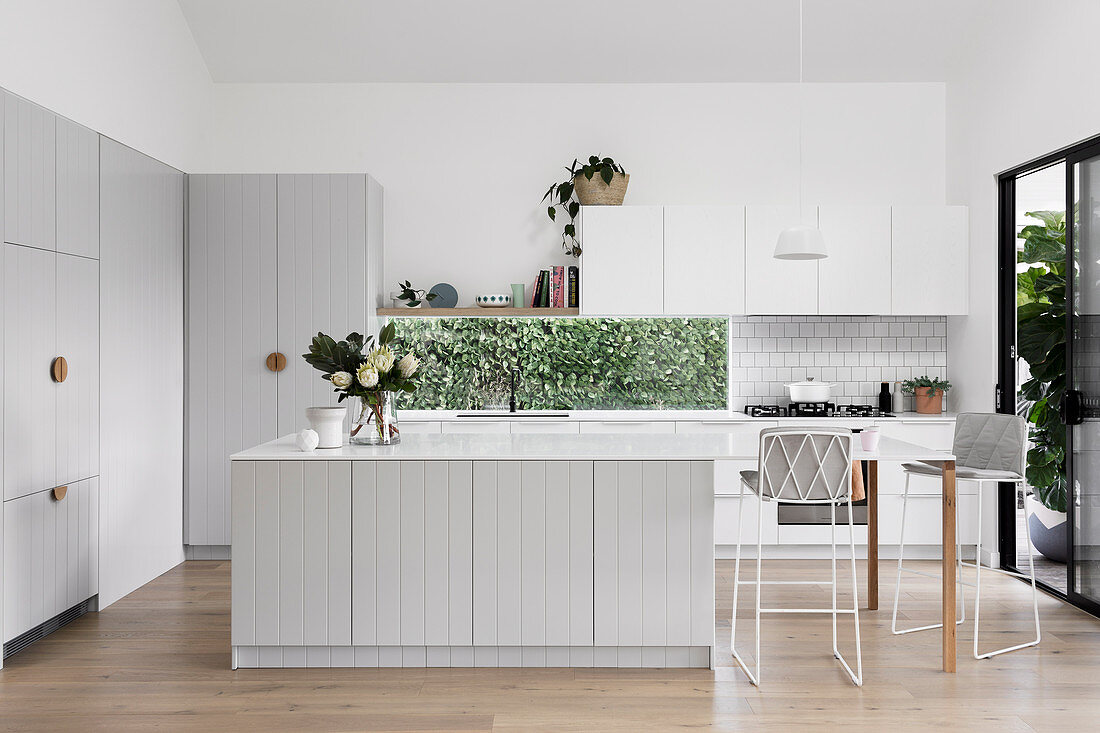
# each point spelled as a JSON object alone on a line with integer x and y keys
{"x": 869, "y": 438}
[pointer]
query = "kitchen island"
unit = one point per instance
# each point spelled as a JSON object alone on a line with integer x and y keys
{"x": 477, "y": 550}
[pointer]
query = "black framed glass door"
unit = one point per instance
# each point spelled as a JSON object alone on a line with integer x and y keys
{"x": 1081, "y": 407}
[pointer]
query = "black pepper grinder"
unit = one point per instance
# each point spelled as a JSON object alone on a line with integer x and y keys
{"x": 884, "y": 398}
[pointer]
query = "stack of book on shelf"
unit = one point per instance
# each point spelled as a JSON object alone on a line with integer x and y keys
{"x": 557, "y": 287}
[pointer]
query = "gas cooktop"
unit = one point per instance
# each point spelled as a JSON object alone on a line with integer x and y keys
{"x": 815, "y": 409}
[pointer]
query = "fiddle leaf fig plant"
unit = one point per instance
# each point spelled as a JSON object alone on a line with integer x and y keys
{"x": 1041, "y": 342}
{"x": 562, "y": 195}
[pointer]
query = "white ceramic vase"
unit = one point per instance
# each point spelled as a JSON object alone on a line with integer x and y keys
{"x": 328, "y": 422}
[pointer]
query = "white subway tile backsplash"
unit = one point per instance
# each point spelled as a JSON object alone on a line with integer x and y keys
{"x": 854, "y": 352}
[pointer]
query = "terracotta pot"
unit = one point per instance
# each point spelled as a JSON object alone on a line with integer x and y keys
{"x": 927, "y": 403}
{"x": 598, "y": 193}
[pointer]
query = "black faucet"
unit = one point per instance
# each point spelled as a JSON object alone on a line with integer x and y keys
{"x": 512, "y": 398}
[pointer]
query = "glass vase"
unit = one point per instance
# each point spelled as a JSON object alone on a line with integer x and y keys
{"x": 374, "y": 420}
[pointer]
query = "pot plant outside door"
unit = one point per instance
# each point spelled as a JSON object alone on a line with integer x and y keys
{"x": 1041, "y": 345}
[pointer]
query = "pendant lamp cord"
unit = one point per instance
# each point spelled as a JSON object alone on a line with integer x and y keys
{"x": 800, "y": 53}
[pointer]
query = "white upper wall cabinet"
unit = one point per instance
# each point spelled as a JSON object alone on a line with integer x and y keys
{"x": 30, "y": 194}
{"x": 930, "y": 260}
{"x": 622, "y": 263}
{"x": 855, "y": 278}
{"x": 776, "y": 287}
{"x": 704, "y": 260}
{"x": 77, "y": 189}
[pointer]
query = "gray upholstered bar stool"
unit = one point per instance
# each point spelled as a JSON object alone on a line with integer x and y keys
{"x": 800, "y": 466}
{"x": 988, "y": 448}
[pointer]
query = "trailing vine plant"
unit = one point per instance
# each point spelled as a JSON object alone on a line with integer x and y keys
{"x": 561, "y": 195}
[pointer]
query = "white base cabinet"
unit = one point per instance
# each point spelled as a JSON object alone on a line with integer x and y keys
{"x": 51, "y": 554}
{"x": 472, "y": 563}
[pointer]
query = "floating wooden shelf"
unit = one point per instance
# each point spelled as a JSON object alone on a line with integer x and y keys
{"x": 476, "y": 312}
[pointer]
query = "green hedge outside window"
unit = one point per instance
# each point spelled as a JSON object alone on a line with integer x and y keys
{"x": 568, "y": 363}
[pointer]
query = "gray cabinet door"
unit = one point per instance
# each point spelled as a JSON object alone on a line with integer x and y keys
{"x": 141, "y": 334}
{"x": 77, "y": 189}
{"x": 323, "y": 280}
{"x": 30, "y": 394}
{"x": 77, "y": 422}
{"x": 231, "y": 394}
{"x": 30, "y": 195}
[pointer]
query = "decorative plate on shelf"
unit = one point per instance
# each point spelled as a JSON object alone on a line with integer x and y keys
{"x": 446, "y": 296}
{"x": 494, "y": 300}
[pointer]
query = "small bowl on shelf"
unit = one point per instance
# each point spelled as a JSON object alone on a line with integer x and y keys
{"x": 494, "y": 300}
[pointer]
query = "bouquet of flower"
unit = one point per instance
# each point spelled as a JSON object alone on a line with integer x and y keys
{"x": 357, "y": 367}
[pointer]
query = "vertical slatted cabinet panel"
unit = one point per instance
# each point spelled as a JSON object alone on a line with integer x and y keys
{"x": 232, "y": 311}
{"x": 77, "y": 421}
{"x": 659, "y": 592}
{"x": 532, "y": 553}
{"x": 412, "y": 560}
{"x": 322, "y": 279}
{"x": 30, "y": 395}
{"x": 244, "y": 568}
{"x": 50, "y": 554}
{"x": 30, "y": 194}
{"x": 292, "y": 523}
{"x": 141, "y": 272}
{"x": 77, "y": 189}
{"x": 376, "y": 287}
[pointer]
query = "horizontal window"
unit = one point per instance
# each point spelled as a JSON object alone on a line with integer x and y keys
{"x": 568, "y": 363}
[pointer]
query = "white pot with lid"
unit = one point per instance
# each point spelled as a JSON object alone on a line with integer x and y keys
{"x": 810, "y": 391}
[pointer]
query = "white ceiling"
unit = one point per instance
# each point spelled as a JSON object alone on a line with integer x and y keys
{"x": 579, "y": 40}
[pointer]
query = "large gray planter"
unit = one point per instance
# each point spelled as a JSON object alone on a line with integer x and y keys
{"x": 1048, "y": 530}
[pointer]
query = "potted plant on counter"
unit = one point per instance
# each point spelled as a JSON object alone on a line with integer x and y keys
{"x": 927, "y": 393}
{"x": 599, "y": 182}
{"x": 371, "y": 376}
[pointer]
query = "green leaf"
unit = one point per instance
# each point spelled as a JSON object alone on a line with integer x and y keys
{"x": 550, "y": 212}
{"x": 607, "y": 174}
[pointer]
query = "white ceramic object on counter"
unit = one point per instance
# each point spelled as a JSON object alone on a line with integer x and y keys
{"x": 307, "y": 440}
{"x": 329, "y": 424}
{"x": 494, "y": 300}
{"x": 810, "y": 391}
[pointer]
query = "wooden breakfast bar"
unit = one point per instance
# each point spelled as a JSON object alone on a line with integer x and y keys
{"x": 469, "y": 550}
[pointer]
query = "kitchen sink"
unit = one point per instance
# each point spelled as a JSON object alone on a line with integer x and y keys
{"x": 509, "y": 415}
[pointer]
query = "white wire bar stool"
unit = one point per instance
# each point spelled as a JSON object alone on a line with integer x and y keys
{"x": 800, "y": 466}
{"x": 989, "y": 448}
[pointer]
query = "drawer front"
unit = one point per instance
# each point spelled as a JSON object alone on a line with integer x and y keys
{"x": 51, "y": 554}
{"x": 818, "y": 534}
{"x": 923, "y": 523}
{"x": 433, "y": 427}
{"x": 557, "y": 427}
{"x": 629, "y": 426}
{"x": 725, "y": 520}
{"x": 477, "y": 426}
{"x": 937, "y": 436}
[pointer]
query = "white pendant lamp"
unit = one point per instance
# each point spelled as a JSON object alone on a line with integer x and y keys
{"x": 801, "y": 242}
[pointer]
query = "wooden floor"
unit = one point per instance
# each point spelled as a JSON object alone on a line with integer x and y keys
{"x": 159, "y": 660}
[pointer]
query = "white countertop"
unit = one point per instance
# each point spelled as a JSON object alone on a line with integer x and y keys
{"x": 568, "y": 447}
{"x": 634, "y": 416}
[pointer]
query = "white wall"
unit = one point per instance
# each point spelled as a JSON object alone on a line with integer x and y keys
{"x": 1024, "y": 90}
{"x": 126, "y": 68}
{"x": 465, "y": 165}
